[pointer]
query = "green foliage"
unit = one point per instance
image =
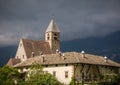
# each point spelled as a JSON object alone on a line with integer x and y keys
{"x": 95, "y": 83}
{"x": 72, "y": 81}
{"x": 8, "y": 75}
{"x": 36, "y": 76}
{"x": 110, "y": 77}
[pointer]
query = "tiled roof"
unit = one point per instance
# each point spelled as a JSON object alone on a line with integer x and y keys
{"x": 52, "y": 27}
{"x": 68, "y": 58}
{"x": 35, "y": 46}
{"x": 13, "y": 61}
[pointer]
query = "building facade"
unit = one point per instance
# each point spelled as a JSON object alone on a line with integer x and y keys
{"x": 64, "y": 66}
{"x": 80, "y": 65}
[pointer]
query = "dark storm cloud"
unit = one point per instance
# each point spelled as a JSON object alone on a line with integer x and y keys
{"x": 75, "y": 18}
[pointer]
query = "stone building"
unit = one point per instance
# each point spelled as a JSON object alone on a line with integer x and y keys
{"x": 80, "y": 65}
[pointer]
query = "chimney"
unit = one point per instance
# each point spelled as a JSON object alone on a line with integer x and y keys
{"x": 57, "y": 51}
{"x": 60, "y": 53}
{"x": 63, "y": 56}
{"x": 43, "y": 58}
{"x": 83, "y": 54}
{"x": 32, "y": 54}
{"x": 105, "y": 59}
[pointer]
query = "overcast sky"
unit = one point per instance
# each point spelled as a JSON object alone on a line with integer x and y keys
{"x": 75, "y": 18}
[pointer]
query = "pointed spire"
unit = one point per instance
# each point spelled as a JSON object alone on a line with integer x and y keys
{"x": 52, "y": 27}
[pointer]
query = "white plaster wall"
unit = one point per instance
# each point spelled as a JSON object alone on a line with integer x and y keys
{"x": 60, "y": 73}
{"x": 20, "y": 52}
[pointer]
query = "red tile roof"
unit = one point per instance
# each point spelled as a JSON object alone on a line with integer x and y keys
{"x": 35, "y": 46}
{"x": 13, "y": 61}
{"x": 69, "y": 58}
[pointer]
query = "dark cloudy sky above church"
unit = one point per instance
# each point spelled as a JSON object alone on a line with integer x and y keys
{"x": 75, "y": 18}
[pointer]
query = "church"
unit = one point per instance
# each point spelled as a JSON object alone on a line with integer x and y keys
{"x": 80, "y": 65}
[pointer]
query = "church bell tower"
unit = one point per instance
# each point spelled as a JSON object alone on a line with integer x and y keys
{"x": 52, "y": 36}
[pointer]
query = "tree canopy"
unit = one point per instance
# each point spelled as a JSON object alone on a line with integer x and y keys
{"x": 8, "y": 75}
{"x": 34, "y": 76}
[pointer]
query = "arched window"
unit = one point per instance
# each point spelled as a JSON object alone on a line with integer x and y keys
{"x": 55, "y": 36}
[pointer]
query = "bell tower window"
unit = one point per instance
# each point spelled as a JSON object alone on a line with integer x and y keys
{"x": 48, "y": 37}
{"x": 55, "y": 36}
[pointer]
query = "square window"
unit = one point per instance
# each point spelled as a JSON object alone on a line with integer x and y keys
{"x": 54, "y": 73}
{"x": 66, "y": 74}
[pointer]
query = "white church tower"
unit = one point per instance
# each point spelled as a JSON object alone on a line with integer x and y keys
{"x": 52, "y": 36}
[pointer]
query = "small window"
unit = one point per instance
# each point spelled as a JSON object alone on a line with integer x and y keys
{"x": 46, "y": 65}
{"x": 23, "y": 56}
{"x": 48, "y": 38}
{"x": 55, "y": 38}
{"x": 48, "y": 35}
{"x": 111, "y": 68}
{"x": 66, "y": 64}
{"x": 27, "y": 68}
{"x": 17, "y": 57}
{"x": 54, "y": 73}
{"x": 20, "y": 44}
{"x": 56, "y": 65}
{"x": 66, "y": 74}
{"x": 55, "y": 34}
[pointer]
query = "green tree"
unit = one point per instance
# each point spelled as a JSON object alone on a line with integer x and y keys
{"x": 72, "y": 81}
{"x": 36, "y": 76}
{"x": 9, "y": 75}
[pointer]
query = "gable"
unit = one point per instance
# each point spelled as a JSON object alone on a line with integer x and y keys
{"x": 21, "y": 54}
